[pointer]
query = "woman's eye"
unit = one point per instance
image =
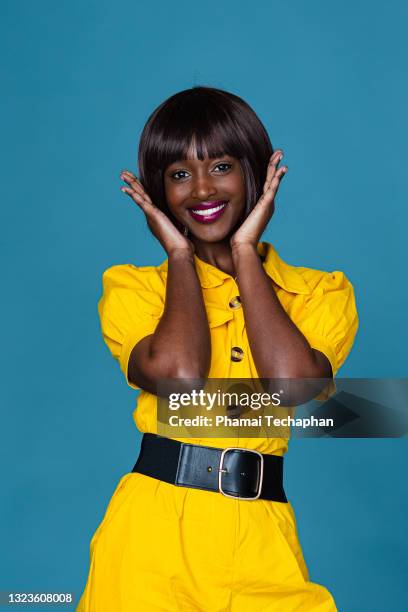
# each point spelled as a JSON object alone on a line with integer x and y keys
{"x": 224, "y": 167}
{"x": 180, "y": 174}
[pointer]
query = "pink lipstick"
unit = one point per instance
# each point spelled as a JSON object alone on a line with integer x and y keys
{"x": 207, "y": 212}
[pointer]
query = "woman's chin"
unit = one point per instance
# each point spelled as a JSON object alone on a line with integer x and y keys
{"x": 212, "y": 234}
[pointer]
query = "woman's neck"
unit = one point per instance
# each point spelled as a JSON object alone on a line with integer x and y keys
{"x": 217, "y": 254}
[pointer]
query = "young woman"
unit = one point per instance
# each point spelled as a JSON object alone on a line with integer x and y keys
{"x": 222, "y": 305}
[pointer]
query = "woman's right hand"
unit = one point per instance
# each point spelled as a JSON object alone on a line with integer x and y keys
{"x": 162, "y": 227}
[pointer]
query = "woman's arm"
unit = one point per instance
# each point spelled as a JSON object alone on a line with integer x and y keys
{"x": 278, "y": 347}
{"x": 180, "y": 346}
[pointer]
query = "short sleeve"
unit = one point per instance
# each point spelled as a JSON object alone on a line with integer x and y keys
{"x": 130, "y": 309}
{"x": 329, "y": 319}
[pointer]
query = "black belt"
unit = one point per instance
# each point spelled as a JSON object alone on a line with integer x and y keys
{"x": 235, "y": 472}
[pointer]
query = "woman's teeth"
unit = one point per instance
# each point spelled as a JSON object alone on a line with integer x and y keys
{"x": 209, "y": 211}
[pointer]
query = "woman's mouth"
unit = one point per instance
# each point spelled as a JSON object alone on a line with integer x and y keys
{"x": 207, "y": 212}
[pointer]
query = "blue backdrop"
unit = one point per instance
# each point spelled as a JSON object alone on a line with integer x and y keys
{"x": 79, "y": 79}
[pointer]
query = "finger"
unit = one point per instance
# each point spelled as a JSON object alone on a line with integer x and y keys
{"x": 276, "y": 157}
{"x": 272, "y": 166}
{"x": 138, "y": 198}
{"x": 130, "y": 178}
{"x": 138, "y": 189}
{"x": 135, "y": 184}
{"x": 124, "y": 171}
{"x": 275, "y": 182}
{"x": 126, "y": 175}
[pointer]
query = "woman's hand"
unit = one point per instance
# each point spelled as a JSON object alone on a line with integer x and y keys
{"x": 254, "y": 225}
{"x": 163, "y": 229}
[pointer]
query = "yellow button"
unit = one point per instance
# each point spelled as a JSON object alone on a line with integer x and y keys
{"x": 235, "y": 302}
{"x": 237, "y": 354}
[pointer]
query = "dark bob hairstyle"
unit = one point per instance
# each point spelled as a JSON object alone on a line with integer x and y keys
{"x": 218, "y": 123}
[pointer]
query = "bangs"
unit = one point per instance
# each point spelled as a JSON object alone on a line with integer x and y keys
{"x": 194, "y": 125}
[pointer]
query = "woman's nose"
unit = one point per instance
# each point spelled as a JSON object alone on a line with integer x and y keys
{"x": 203, "y": 188}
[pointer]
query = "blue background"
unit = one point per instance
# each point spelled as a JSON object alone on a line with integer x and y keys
{"x": 79, "y": 80}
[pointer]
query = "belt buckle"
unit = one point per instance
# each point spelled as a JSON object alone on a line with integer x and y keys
{"x": 221, "y": 471}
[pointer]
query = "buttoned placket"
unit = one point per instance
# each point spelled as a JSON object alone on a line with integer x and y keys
{"x": 235, "y": 305}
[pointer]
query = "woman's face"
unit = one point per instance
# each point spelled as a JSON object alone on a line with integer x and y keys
{"x": 206, "y": 196}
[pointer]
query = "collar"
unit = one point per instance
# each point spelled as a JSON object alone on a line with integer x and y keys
{"x": 280, "y": 272}
{"x": 284, "y": 275}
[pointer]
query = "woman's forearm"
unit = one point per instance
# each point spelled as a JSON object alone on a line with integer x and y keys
{"x": 181, "y": 343}
{"x": 278, "y": 347}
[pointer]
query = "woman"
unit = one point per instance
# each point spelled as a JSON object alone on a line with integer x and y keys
{"x": 222, "y": 305}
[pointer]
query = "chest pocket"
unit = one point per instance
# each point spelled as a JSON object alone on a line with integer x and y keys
{"x": 217, "y": 315}
{"x": 216, "y": 305}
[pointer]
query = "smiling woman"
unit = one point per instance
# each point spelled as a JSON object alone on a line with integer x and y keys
{"x": 201, "y": 192}
{"x": 204, "y": 523}
{"x": 206, "y": 123}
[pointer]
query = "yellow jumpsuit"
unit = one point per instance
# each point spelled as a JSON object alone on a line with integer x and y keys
{"x": 166, "y": 548}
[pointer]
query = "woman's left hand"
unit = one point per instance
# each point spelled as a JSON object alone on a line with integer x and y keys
{"x": 254, "y": 225}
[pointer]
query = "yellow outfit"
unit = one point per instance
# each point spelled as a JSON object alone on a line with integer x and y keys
{"x": 161, "y": 547}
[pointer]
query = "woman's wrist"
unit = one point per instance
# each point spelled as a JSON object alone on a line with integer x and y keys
{"x": 181, "y": 253}
{"x": 241, "y": 251}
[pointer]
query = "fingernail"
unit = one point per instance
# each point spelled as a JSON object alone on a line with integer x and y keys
{"x": 123, "y": 189}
